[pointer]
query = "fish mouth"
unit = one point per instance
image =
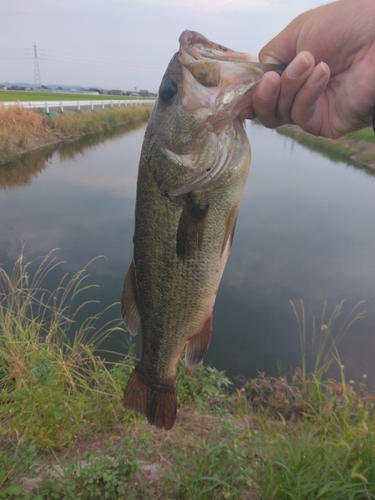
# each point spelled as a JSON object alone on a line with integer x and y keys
{"x": 215, "y": 85}
{"x": 226, "y": 77}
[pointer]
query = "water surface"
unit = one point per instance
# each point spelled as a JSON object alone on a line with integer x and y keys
{"x": 306, "y": 231}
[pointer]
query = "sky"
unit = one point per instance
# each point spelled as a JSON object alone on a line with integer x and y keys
{"x": 126, "y": 44}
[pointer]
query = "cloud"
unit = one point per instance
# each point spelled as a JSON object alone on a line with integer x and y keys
{"x": 143, "y": 35}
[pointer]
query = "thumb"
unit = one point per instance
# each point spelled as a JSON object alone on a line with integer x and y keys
{"x": 277, "y": 51}
{"x": 283, "y": 47}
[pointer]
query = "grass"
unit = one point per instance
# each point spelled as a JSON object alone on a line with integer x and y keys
{"x": 22, "y": 130}
{"x": 356, "y": 148}
{"x": 48, "y": 367}
{"x": 96, "y": 122}
{"x": 19, "y": 129}
{"x": 366, "y": 134}
{"x": 14, "y": 95}
{"x": 61, "y": 415}
{"x": 335, "y": 150}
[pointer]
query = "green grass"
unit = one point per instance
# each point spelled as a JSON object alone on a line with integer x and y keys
{"x": 335, "y": 151}
{"x": 366, "y": 134}
{"x": 308, "y": 437}
{"x": 49, "y": 371}
{"x": 340, "y": 150}
{"x": 15, "y": 95}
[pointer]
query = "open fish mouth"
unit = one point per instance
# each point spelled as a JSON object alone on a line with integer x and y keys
{"x": 227, "y": 75}
{"x": 215, "y": 85}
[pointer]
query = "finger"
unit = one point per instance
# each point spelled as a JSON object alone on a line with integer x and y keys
{"x": 292, "y": 79}
{"x": 306, "y": 111}
{"x": 265, "y": 99}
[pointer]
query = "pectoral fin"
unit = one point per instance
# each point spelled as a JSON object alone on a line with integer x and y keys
{"x": 197, "y": 345}
{"x": 129, "y": 308}
{"x": 191, "y": 228}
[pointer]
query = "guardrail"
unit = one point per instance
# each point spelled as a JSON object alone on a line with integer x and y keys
{"x": 69, "y": 105}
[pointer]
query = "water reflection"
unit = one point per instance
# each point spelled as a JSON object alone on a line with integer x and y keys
{"x": 21, "y": 171}
{"x": 319, "y": 145}
{"x": 305, "y": 231}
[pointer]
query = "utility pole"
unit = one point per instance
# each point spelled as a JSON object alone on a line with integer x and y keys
{"x": 37, "y": 79}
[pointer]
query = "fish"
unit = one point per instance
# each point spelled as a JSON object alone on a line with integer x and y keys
{"x": 192, "y": 172}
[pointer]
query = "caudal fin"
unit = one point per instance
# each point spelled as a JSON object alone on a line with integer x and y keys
{"x": 158, "y": 404}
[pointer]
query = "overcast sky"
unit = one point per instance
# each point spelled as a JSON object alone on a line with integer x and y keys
{"x": 126, "y": 43}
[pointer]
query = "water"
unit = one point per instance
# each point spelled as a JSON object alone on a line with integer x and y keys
{"x": 306, "y": 231}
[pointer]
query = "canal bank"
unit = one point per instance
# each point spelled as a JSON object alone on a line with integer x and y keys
{"x": 23, "y": 130}
{"x": 356, "y": 148}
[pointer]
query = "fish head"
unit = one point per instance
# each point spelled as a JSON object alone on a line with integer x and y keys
{"x": 202, "y": 94}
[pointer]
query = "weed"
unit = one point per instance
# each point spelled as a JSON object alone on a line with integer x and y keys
{"x": 309, "y": 437}
{"x": 302, "y": 465}
{"x": 366, "y": 134}
{"x": 48, "y": 368}
{"x": 19, "y": 128}
{"x": 22, "y": 129}
{"x": 217, "y": 467}
{"x": 96, "y": 122}
{"x": 204, "y": 385}
{"x": 320, "y": 345}
{"x": 114, "y": 476}
{"x": 15, "y": 461}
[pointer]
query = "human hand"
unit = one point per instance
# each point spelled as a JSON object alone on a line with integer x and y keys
{"x": 328, "y": 88}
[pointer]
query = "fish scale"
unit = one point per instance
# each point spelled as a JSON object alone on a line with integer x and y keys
{"x": 192, "y": 173}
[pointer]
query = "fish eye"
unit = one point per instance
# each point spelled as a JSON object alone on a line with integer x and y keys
{"x": 168, "y": 89}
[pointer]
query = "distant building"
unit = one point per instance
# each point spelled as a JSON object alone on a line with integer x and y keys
{"x": 115, "y": 92}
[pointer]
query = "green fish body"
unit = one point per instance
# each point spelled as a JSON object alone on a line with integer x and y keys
{"x": 192, "y": 173}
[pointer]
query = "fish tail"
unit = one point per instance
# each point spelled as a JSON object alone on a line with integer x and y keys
{"x": 157, "y": 403}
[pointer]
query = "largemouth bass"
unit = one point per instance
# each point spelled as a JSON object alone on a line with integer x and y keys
{"x": 192, "y": 173}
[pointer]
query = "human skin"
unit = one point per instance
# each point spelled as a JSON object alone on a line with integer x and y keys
{"x": 328, "y": 87}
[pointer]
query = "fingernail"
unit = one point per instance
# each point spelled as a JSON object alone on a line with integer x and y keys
{"x": 297, "y": 67}
{"x": 320, "y": 71}
{"x": 268, "y": 88}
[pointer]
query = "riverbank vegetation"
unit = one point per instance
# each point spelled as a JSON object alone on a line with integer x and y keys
{"x": 23, "y": 130}
{"x": 65, "y": 434}
{"x": 356, "y": 148}
{"x": 20, "y": 95}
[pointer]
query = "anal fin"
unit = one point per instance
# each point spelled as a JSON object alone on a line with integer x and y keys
{"x": 230, "y": 226}
{"x": 157, "y": 403}
{"x": 129, "y": 308}
{"x": 197, "y": 345}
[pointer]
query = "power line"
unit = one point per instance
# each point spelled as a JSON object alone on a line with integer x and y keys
{"x": 56, "y": 54}
{"x": 66, "y": 57}
{"x": 69, "y": 58}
